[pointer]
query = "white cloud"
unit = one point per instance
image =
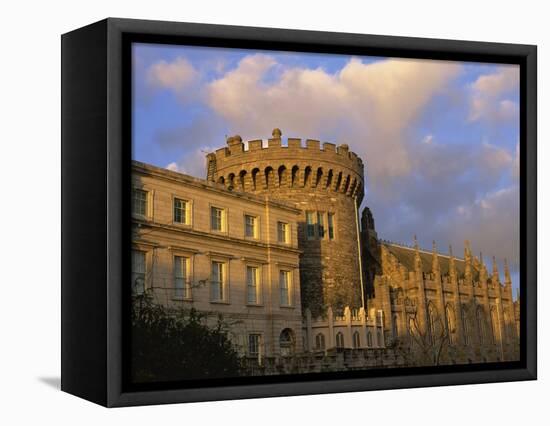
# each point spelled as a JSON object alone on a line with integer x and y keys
{"x": 491, "y": 223}
{"x": 515, "y": 167}
{"x": 440, "y": 190}
{"x": 368, "y": 106}
{"x": 428, "y": 139}
{"x": 490, "y": 96}
{"x": 173, "y": 167}
{"x": 495, "y": 84}
{"x": 177, "y": 75}
{"x": 494, "y": 159}
{"x": 193, "y": 163}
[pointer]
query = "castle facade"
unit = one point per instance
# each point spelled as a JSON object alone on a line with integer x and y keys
{"x": 273, "y": 241}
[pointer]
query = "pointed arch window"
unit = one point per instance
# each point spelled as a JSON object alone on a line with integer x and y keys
{"x": 480, "y": 325}
{"x": 465, "y": 326}
{"x": 339, "y": 340}
{"x": 494, "y": 325}
{"x": 451, "y": 328}
{"x": 369, "y": 339}
{"x": 356, "y": 340}
{"x": 320, "y": 342}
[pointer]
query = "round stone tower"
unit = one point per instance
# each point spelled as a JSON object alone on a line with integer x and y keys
{"x": 327, "y": 185}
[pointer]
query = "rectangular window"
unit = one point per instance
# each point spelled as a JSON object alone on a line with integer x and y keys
{"x": 282, "y": 232}
{"x": 330, "y": 218}
{"x": 320, "y": 225}
{"x": 310, "y": 225}
{"x": 182, "y": 286}
{"x": 218, "y": 281}
{"x": 217, "y": 218}
{"x": 181, "y": 211}
{"x": 284, "y": 287}
{"x": 251, "y": 226}
{"x": 138, "y": 272}
{"x": 139, "y": 202}
{"x": 252, "y": 284}
{"x": 254, "y": 344}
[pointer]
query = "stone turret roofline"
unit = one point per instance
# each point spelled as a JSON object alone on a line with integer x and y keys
{"x": 328, "y": 152}
{"x": 159, "y": 172}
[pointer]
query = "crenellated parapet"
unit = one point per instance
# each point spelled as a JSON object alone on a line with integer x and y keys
{"x": 295, "y": 165}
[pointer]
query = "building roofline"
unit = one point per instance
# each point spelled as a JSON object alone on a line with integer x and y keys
{"x": 420, "y": 250}
{"x": 149, "y": 169}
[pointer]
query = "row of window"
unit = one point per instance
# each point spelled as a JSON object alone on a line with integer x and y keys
{"x": 319, "y": 225}
{"x": 218, "y": 217}
{"x": 340, "y": 341}
{"x": 218, "y": 280}
{"x": 485, "y": 334}
{"x": 286, "y": 342}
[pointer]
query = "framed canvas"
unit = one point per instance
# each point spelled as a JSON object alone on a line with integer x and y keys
{"x": 255, "y": 212}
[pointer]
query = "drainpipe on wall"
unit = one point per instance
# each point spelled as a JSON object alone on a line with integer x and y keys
{"x": 359, "y": 255}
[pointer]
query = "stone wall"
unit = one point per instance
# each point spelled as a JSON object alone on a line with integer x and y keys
{"x": 161, "y": 239}
{"x": 325, "y": 181}
{"x": 431, "y": 299}
{"x": 326, "y": 361}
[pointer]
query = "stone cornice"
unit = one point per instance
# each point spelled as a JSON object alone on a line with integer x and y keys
{"x": 218, "y": 237}
{"x": 157, "y": 172}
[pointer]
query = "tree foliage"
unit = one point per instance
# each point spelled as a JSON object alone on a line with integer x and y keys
{"x": 177, "y": 344}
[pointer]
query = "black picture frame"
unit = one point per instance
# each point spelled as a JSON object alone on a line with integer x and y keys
{"x": 96, "y": 120}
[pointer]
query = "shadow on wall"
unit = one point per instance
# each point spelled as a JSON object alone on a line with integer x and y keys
{"x": 311, "y": 273}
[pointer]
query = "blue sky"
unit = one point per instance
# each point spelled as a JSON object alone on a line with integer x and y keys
{"x": 439, "y": 139}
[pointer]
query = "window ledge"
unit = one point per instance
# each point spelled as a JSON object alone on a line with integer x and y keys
{"x": 220, "y": 302}
{"x": 183, "y": 225}
{"x": 215, "y": 231}
{"x": 182, "y": 299}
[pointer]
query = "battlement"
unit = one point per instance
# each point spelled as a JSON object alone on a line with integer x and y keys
{"x": 237, "y": 151}
{"x": 311, "y": 164}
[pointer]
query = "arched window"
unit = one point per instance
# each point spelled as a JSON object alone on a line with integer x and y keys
{"x": 494, "y": 325}
{"x": 339, "y": 340}
{"x": 294, "y": 177}
{"x": 338, "y": 181}
{"x": 255, "y": 180}
{"x": 282, "y": 176}
{"x": 242, "y": 179}
{"x": 319, "y": 176}
{"x": 507, "y": 331}
{"x": 320, "y": 342}
{"x": 450, "y": 318}
{"x": 356, "y": 340}
{"x": 465, "y": 326}
{"x": 307, "y": 177}
{"x": 347, "y": 183}
{"x": 379, "y": 339}
{"x": 231, "y": 181}
{"x": 395, "y": 327}
{"x": 432, "y": 318}
{"x": 369, "y": 339}
{"x": 480, "y": 325}
{"x": 269, "y": 181}
{"x": 286, "y": 342}
{"x": 329, "y": 178}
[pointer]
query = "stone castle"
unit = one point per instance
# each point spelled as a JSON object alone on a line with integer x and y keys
{"x": 272, "y": 239}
